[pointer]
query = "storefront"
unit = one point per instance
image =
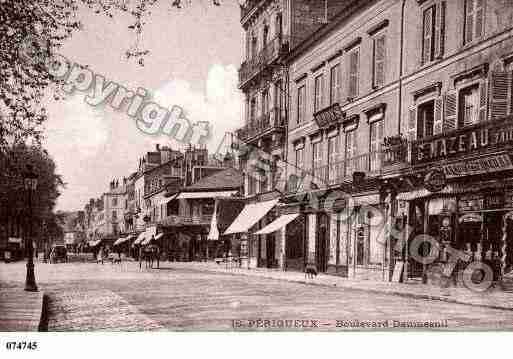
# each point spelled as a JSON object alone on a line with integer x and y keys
{"x": 459, "y": 194}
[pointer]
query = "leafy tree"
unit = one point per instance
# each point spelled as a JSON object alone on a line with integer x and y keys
{"x": 30, "y": 31}
{"x": 14, "y": 211}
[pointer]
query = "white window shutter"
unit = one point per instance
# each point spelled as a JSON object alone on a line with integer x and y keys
{"x": 483, "y": 100}
{"x": 450, "y": 111}
{"x": 438, "y": 123}
{"x": 440, "y": 29}
{"x": 500, "y": 93}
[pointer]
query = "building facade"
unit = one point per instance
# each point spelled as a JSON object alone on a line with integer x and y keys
{"x": 383, "y": 93}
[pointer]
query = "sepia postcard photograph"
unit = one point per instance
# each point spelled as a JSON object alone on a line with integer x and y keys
{"x": 255, "y": 167}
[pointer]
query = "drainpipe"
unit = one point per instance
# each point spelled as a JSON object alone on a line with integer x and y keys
{"x": 401, "y": 56}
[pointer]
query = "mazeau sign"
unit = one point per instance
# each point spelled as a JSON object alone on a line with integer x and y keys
{"x": 471, "y": 140}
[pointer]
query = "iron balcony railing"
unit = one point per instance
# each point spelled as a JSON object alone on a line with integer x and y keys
{"x": 251, "y": 67}
{"x": 275, "y": 118}
{"x": 339, "y": 171}
{"x": 178, "y": 220}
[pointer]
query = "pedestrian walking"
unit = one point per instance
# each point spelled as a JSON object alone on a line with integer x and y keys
{"x": 100, "y": 255}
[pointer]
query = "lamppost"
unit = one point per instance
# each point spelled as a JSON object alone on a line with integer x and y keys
{"x": 30, "y": 182}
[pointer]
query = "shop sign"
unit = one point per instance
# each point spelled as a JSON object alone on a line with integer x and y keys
{"x": 328, "y": 116}
{"x": 435, "y": 181}
{"x": 496, "y": 134}
{"x": 480, "y": 165}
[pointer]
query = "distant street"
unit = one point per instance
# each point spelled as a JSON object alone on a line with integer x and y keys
{"x": 90, "y": 296}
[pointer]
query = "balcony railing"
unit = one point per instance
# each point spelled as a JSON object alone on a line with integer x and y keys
{"x": 273, "y": 119}
{"x": 339, "y": 171}
{"x": 177, "y": 220}
{"x": 395, "y": 154}
{"x": 252, "y": 66}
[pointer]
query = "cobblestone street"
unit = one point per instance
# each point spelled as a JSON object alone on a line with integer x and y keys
{"x": 89, "y": 296}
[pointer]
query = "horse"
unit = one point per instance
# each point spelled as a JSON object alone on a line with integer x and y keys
{"x": 150, "y": 254}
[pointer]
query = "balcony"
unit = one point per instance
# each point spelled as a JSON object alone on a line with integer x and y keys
{"x": 251, "y": 67}
{"x": 274, "y": 119}
{"x": 177, "y": 220}
{"x": 340, "y": 171}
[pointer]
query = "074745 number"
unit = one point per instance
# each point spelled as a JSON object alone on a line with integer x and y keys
{"x": 21, "y": 345}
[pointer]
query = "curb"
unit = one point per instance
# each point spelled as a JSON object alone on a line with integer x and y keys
{"x": 43, "y": 319}
{"x": 368, "y": 290}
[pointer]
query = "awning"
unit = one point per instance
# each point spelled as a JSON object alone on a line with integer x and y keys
{"x": 278, "y": 223}
{"x": 423, "y": 192}
{"x": 251, "y": 214}
{"x": 94, "y": 243}
{"x": 146, "y": 241}
{"x": 193, "y": 195}
{"x": 158, "y": 236}
{"x": 140, "y": 238}
{"x": 14, "y": 240}
{"x": 121, "y": 240}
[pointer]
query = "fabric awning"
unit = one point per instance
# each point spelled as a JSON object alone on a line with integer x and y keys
{"x": 140, "y": 238}
{"x": 194, "y": 195}
{"x": 278, "y": 223}
{"x": 251, "y": 214}
{"x": 94, "y": 243}
{"x": 14, "y": 240}
{"x": 121, "y": 240}
{"x": 146, "y": 241}
{"x": 158, "y": 236}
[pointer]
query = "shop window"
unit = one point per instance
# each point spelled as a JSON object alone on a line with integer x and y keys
{"x": 474, "y": 20}
{"x": 468, "y": 107}
{"x": 425, "y": 119}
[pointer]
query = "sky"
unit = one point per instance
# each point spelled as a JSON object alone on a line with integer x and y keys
{"x": 194, "y": 55}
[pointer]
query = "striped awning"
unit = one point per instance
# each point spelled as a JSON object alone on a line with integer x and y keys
{"x": 278, "y": 223}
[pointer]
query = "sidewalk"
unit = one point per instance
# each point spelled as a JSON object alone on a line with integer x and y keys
{"x": 20, "y": 311}
{"x": 492, "y": 298}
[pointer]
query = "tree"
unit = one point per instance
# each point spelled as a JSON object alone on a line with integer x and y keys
{"x": 13, "y": 196}
{"x": 30, "y": 32}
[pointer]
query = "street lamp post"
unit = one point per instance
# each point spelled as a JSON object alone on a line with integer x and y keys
{"x": 30, "y": 183}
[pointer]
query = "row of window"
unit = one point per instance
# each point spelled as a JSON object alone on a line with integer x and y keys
{"x": 433, "y": 42}
{"x": 324, "y": 96}
{"x": 343, "y": 155}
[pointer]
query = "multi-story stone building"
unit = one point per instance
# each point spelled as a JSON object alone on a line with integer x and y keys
{"x": 272, "y": 29}
{"x": 397, "y": 115}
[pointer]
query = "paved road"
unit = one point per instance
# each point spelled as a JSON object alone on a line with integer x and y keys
{"x": 90, "y": 296}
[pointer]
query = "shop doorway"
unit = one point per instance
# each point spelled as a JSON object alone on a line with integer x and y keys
{"x": 321, "y": 243}
{"x": 270, "y": 250}
{"x": 295, "y": 244}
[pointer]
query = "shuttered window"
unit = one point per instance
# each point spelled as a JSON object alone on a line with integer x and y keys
{"x": 500, "y": 94}
{"x": 376, "y": 139}
{"x": 317, "y": 161}
{"x": 428, "y": 35}
{"x": 354, "y": 64}
{"x": 333, "y": 158}
{"x": 299, "y": 160}
{"x": 474, "y": 20}
{"x": 319, "y": 93}
{"x": 468, "y": 112}
{"x": 335, "y": 84}
{"x": 433, "y": 32}
{"x": 350, "y": 152}
{"x": 379, "y": 52}
{"x": 301, "y": 104}
{"x": 450, "y": 111}
{"x": 425, "y": 119}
